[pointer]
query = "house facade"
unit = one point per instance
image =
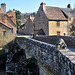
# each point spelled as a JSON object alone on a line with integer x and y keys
{"x": 28, "y": 27}
{"x": 7, "y": 25}
{"x": 70, "y": 15}
{"x": 51, "y": 21}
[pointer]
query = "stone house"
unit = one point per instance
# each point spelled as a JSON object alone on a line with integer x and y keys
{"x": 8, "y": 18}
{"x": 5, "y": 33}
{"x": 7, "y": 25}
{"x": 51, "y": 21}
{"x": 70, "y": 15}
{"x": 28, "y": 27}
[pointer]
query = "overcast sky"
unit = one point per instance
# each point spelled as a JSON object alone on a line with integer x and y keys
{"x": 33, "y": 5}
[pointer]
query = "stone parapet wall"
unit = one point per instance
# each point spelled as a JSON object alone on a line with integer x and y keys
{"x": 48, "y": 56}
{"x": 70, "y": 40}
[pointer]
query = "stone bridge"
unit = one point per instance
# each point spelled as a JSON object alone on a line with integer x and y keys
{"x": 50, "y": 59}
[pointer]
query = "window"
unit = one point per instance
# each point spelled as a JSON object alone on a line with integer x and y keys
{"x": 58, "y": 24}
{"x": 4, "y": 33}
{"x": 58, "y": 33}
{"x": 69, "y": 19}
{"x": 12, "y": 30}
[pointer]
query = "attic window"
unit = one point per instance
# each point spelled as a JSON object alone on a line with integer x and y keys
{"x": 58, "y": 24}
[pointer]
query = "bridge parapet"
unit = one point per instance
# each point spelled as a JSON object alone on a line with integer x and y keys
{"x": 70, "y": 40}
{"x": 48, "y": 56}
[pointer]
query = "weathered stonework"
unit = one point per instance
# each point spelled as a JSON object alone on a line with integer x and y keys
{"x": 17, "y": 63}
{"x": 61, "y": 44}
{"x": 69, "y": 40}
{"x": 48, "y": 56}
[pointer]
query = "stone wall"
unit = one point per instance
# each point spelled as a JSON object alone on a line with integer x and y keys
{"x": 54, "y": 28}
{"x": 28, "y": 27}
{"x": 48, "y": 56}
{"x": 4, "y": 39}
{"x": 70, "y": 40}
{"x": 41, "y": 20}
{"x": 8, "y": 22}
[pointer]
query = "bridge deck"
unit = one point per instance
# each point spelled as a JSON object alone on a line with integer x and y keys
{"x": 69, "y": 54}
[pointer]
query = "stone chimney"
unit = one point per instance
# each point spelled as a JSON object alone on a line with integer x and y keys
{"x": 3, "y": 7}
{"x": 43, "y": 3}
{"x": 13, "y": 10}
{"x": 42, "y": 6}
{"x": 69, "y": 6}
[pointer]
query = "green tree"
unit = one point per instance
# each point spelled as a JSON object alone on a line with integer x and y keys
{"x": 18, "y": 17}
{"x": 33, "y": 14}
{"x": 26, "y": 16}
{"x": 18, "y": 14}
{"x": 18, "y": 23}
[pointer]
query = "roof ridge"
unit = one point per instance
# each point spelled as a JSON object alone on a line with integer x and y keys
{"x": 6, "y": 25}
{"x": 52, "y": 6}
{"x": 54, "y": 13}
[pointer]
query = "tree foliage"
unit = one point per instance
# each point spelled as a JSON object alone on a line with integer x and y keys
{"x": 26, "y": 16}
{"x": 18, "y": 14}
{"x": 18, "y": 23}
{"x": 72, "y": 29}
{"x": 33, "y": 14}
{"x": 18, "y": 17}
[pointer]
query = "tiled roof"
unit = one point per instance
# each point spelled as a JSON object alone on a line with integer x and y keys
{"x": 68, "y": 12}
{"x": 54, "y": 13}
{"x": 12, "y": 16}
{"x": 5, "y": 25}
{"x": 3, "y": 20}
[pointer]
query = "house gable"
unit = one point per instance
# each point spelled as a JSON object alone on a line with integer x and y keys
{"x": 47, "y": 18}
{"x": 28, "y": 28}
{"x": 12, "y": 16}
{"x": 41, "y": 20}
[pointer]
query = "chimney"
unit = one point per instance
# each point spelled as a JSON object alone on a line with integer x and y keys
{"x": 43, "y": 3}
{"x": 69, "y": 6}
{"x": 43, "y": 6}
{"x": 3, "y": 7}
{"x": 13, "y": 10}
